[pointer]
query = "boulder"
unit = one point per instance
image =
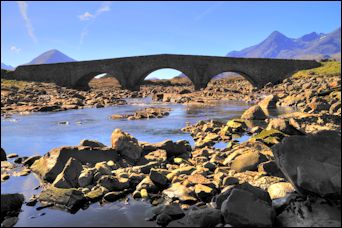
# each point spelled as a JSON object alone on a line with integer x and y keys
{"x": 283, "y": 126}
{"x": 91, "y": 143}
{"x": 268, "y": 137}
{"x": 70, "y": 199}
{"x": 270, "y": 168}
{"x": 11, "y": 205}
{"x": 3, "y": 155}
{"x": 126, "y": 145}
{"x": 114, "y": 183}
{"x": 268, "y": 103}
{"x": 312, "y": 163}
{"x": 29, "y": 161}
{"x": 309, "y": 213}
{"x": 206, "y": 217}
{"x": 203, "y": 192}
{"x": 243, "y": 208}
{"x": 180, "y": 192}
{"x": 68, "y": 178}
{"x": 86, "y": 178}
{"x": 254, "y": 113}
{"x": 52, "y": 163}
{"x": 280, "y": 190}
{"x": 174, "y": 149}
{"x": 158, "y": 178}
{"x": 247, "y": 161}
{"x": 258, "y": 192}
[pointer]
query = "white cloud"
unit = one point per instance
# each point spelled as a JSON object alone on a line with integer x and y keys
{"x": 86, "y": 16}
{"x": 23, "y": 11}
{"x": 15, "y": 49}
{"x": 104, "y": 7}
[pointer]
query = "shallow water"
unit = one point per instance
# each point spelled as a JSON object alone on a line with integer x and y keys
{"x": 39, "y": 132}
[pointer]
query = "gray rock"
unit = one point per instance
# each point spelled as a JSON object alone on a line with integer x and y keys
{"x": 312, "y": 163}
{"x": 70, "y": 199}
{"x": 243, "y": 208}
{"x": 11, "y": 205}
{"x": 207, "y": 217}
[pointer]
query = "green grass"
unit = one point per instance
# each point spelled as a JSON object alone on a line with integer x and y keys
{"x": 327, "y": 68}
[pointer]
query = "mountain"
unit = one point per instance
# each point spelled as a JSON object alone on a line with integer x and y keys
{"x": 52, "y": 56}
{"x": 6, "y": 67}
{"x": 309, "y": 46}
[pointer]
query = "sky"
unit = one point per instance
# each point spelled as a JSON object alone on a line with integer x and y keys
{"x": 98, "y": 30}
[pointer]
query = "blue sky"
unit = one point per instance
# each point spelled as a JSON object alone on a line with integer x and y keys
{"x": 96, "y": 30}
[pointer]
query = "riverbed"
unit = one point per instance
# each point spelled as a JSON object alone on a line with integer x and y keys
{"x": 38, "y": 133}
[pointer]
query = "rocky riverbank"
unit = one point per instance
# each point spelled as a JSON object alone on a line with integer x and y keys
{"x": 288, "y": 172}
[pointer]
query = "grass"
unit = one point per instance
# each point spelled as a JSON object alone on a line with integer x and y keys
{"x": 327, "y": 68}
{"x": 5, "y": 83}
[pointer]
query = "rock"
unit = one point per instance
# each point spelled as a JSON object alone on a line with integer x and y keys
{"x": 283, "y": 126}
{"x": 280, "y": 190}
{"x": 126, "y": 145}
{"x": 247, "y": 161}
{"x": 95, "y": 194}
{"x": 157, "y": 155}
{"x": 312, "y": 163}
{"x": 9, "y": 222}
{"x": 158, "y": 179}
{"x": 114, "y": 183}
{"x": 19, "y": 160}
{"x": 166, "y": 213}
{"x": 147, "y": 184}
{"x": 52, "y": 163}
{"x": 91, "y": 143}
{"x": 113, "y": 196}
{"x": 174, "y": 149}
{"x": 103, "y": 168}
{"x": 85, "y": 178}
{"x": 179, "y": 191}
{"x": 11, "y": 205}
{"x": 68, "y": 178}
{"x": 236, "y": 213}
{"x": 163, "y": 219}
{"x": 12, "y": 155}
{"x": 268, "y": 103}
{"x": 203, "y": 192}
{"x": 270, "y": 168}
{"x": 3, "y": 155}
{"x": 313, "y": 213}
{"x": 254, "y": 113}
{"x": 269, "y": 137}
{"x": 258, "y": 192}
{"x": 206, "y": 217}
{"x": 29, "y": 161}
{"x": 71, "y": 199}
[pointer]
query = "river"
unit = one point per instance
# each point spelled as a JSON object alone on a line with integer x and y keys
{"x": 37, "y": 133}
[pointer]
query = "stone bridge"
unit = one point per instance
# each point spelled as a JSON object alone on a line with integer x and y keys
{"x": 131, "y": 71}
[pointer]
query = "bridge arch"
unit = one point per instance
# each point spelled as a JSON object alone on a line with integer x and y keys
{"x": 83, "y": 83}
{"x": 239, "y": 72}
{"x": 144, "y": 74}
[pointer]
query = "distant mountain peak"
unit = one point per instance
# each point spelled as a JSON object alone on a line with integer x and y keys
{"x": 51, "y": 56}
{"x": 310, "y": 46}
{"x": 6, "y": 67}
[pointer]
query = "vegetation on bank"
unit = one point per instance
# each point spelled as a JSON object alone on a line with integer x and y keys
{"x": 327, "y": 68}
{"x": 5, "y": 83}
